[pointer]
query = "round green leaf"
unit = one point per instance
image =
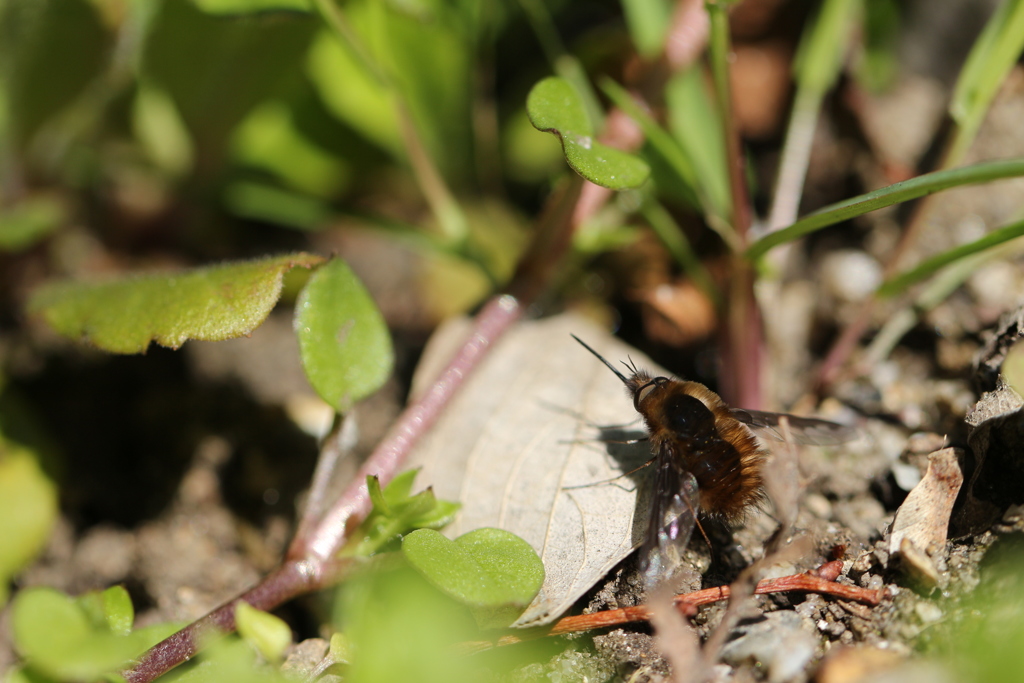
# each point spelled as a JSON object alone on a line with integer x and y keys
{"x": 489, "y": 569}
{"x": 54, "y": 635}
{"x": 28, "y": 508}
{"x": 554, "y": 106}
{"x": 268, "y": 634}
{"x": 211, "y": 304}
{"x": 343, "y": 340}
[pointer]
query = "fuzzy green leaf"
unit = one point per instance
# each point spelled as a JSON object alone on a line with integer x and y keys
{"x": 28, "y": 509}
{"x": 554, "y": 106}
{"x": 268, "y": 634}
{"x": 491, "y": 570}
{"x": 211, "y": 304}
{"x": 343, "y": 339}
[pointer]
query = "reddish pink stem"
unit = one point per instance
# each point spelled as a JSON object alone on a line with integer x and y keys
{"x": 291, "y": 579}
{"x": 354, "y": 504}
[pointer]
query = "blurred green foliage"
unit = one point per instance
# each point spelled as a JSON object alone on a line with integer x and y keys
{"x": 188, "y": 127}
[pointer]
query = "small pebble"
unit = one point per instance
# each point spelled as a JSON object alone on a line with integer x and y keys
{"x": 928, "y": 612}
{"x": 850, "y": 275}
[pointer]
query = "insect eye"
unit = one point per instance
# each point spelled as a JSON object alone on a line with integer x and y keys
{"x": 643, "y": 392}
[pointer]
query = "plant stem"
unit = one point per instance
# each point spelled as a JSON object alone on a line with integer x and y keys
{"x": 293, "y": 578}
{"x": 312, "y": 563}
{"x": 795, "y": 157}
{"x": 742, "y": 341}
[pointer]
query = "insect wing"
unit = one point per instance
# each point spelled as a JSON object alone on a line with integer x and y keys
{"x": 808, "y": 431}
{"x": 673, "y": 515}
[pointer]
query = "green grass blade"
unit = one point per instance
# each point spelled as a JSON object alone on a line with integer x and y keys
{"x": 901, "y": 282}
{"x": 993, "y": 55}
{"x": 819, "y": 60}
{"x": 887, "y": 196}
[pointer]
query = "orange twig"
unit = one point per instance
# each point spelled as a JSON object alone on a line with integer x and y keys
{"x": 819, "y": 581}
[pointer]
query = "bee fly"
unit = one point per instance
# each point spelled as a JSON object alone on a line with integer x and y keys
{"x": 706, "y": 459}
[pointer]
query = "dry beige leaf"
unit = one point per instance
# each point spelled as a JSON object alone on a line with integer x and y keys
{"x": 923, "y": 518}
{"x": 521, "y": 449}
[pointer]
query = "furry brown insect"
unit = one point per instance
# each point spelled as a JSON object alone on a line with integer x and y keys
{"x": 706, "y": 458}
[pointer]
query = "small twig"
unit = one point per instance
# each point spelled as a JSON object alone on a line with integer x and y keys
{"x": 810, "y": 582}
{"x": 821, "y": 581}
{"x": 336, "y": 446}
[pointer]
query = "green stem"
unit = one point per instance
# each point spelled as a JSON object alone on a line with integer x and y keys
{"x": 450, "y": 218}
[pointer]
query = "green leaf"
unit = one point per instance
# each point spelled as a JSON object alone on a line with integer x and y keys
{"x": 660, "y": 141}
{"x": 252, "y": 6}
{"x": 28, "y": 509}
{"x": 111, "y": 609}
{"x": 887, "y": 196}
{"x": 55, "y": 636}
{"x": 211, "y": 304}
{"x": 343, "y": 339}
{"x": 271, "y": 140}
{"x": 380, "y": 504}
{"x": 340, "y": 650}
{"x": 263, "y": 202}
{"x": 995, "y": 52}
{"x": 268, "y": 634}
{"x": 878, "y": 66}
{"x": 160, "y": 130}
{"x": 648, "y": 21}
{"x": 491, "y": 570}
{"x": 824, "y": 44}
{"x": 51, "y": 51}
{"x": 217, "y": 69}
{"x": 353, "y": 94}
{"x": 399, "y": 488}
{"x": 694, "y": 122}
{"x": 29, "y": 221}
{"x": 437, "y": 517}
{"x": 899, "y": 283}
{"x": 118, "y": 609}
{"x": 403, "y": 629}
{"x": 556, "y": 107}
{"x": 396, "y": 512}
